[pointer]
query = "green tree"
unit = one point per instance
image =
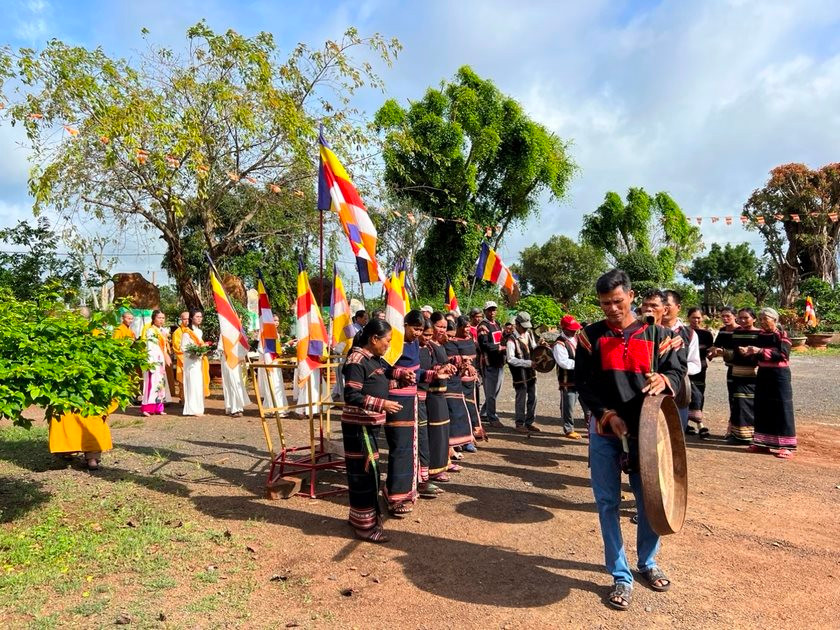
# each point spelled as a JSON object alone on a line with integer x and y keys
{"x": 466, "y": 151}
{"x": 165, "y": 138}
{"x": 793, "y": 213}
{"x": 654, "y": 225}
{"x": 726, "y": 271}
{"x": 544, "y": 310}
{"x": 561, "y": 268}
{"x": 26, "y": 271}
{"x": 57, "y": 360}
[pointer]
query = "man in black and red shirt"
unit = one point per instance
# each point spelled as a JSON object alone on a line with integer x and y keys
{"x": 615, "y": 369}
{"x": 493, "y": 355}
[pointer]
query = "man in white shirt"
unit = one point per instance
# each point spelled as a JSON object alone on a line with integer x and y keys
{"x": 671, "y": 319}
{"x": 524, "y": 376}
{"x": 564, "y": 355}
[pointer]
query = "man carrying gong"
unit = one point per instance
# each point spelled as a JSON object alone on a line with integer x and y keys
{"x": 620, "y": 360}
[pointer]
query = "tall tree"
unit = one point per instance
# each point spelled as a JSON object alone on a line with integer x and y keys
{"x": 166, "y": 138}
{"x": 726, "y": 271}
{"x": 793, "y": 213}
{"x": 466, "y": 151}
{"x": 560, "y": 268}
{"x": 646, "y": 226}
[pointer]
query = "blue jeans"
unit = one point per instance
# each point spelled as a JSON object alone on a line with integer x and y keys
{"x": 683, "y": 417}
{"x": 605, "y": 470}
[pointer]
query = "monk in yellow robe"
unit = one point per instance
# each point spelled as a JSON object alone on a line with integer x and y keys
{"x": 123, "y": 331}
{"x": 183, "y": 324}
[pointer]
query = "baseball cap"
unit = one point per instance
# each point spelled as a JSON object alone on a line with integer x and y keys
{"x": 569, "y": 323}
{"x": 523, "y": 318}
{"x": 490, "y": 304}
{"x": 427, "y": 309}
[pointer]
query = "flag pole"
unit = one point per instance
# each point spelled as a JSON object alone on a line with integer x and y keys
{"x": 472, "y": 288}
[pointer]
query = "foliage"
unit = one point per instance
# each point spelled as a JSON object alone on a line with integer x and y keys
{"x": 544, "y": 310}
{"x": 726, "y": 271}
{"x": 26, "y": 271}
{"x": 654, "y": 225}
{"x": 57, "y": 360}
{"x": 826, "y": 303}
{"x": 803, "y": 248}
{"x": 467, "y": 152}
{"x": 165, "y": 138}
{"x": 586, "y": 310}
{"x": 561, "y": 268}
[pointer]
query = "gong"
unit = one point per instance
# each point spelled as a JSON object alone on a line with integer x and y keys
{"x": 683, "y": 397}
{"x": 662, "y": 464}
{"x": 542, "y": 360}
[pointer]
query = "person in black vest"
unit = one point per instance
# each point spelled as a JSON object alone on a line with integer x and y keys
{"x": 564, "y": 355}
{"x": 524, "y": 376}
{"x": 492, "y": 351}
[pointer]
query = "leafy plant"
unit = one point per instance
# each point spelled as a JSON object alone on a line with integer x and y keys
{"x": 55, "y": 359}
{"x": 544, "y": 310}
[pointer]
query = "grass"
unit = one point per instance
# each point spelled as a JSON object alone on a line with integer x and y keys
{"x": 79, "y": 550}
{"x": 832, "y": 350}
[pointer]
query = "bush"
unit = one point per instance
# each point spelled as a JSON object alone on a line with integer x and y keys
{"x": 544, "y": 311}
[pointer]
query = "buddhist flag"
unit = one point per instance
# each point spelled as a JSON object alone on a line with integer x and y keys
{"x": 336, "y": 191}
{"x": 268, "y": 330}
{"x": 341, "y": 325}
{"x": 395, "y": 310}
{"x": 491, "y": 268}
{"x": 234, "y": 341}
{"x": 810, "y": 313}
{"x": 311, "y": 333}
{"x": 449, "y": 298}
{"x": 401, "y": 270}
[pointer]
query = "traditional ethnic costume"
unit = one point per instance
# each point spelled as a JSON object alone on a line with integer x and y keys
{"x": 610, "y": 368}
{"x": 437, "y": 409}
{"x": 705, "y": 341}
{"x": 195, "y": 372}
{"x": 493, "y": 367}
{"x": 365, "y": 392}
{"x": 401, "y": 430}
{"x": 469, "y": 380}
{"x": 177, "y": 343}
{"x": 155, "y": 387}
{"x": 774, "y": 422}
{"x": 693, "y": 364}
{"x": 744, "y": 370}
{"x": 460, "y": 427}
{"x": 564, "y": 356}
{"x": 524, "y": 377}
{"x": 723, "y": 340}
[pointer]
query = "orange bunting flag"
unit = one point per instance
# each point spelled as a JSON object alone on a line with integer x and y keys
{"x": 715, "y": 219}
{"x": 142, "y": 156}
{"x": 832, "y": 216}
{"x": 251, "y": 180}
{"x": 396, "y": 214}
{"x": 810, "y": 313}
{"x": 172, "y": 161}
{"x": 72, "y": 131}
{"x": 699, "y": 220}
{"x": 104, "y": 139}
{"x": 203, "y": 169}
{"x": 794, "y": 218}
{"x": 744, "y": 220}
{"x": 779, "y": 217}
{"x": 759, "y": 220}
{"x": 36, "y": 116}
{"x": 410, "y": 218}
{"x": 300, "y": 193}
{"x": 232, "y": 176}
{"x": 814, "y": 214}
{"x": 727, "y": 220}
{"x": 274, "y": 188}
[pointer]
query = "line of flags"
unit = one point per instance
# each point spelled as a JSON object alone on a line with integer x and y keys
{"x": 312, "y": 335}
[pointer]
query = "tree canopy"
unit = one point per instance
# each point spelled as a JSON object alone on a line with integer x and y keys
{"x": 560, "y": 268}
{"x": 726, "y": 271}
{"x": 166, "y": 138}
{"x": 466, "y": 151}
{"x": 650, "y": 228}
{"x": 792, "y": 212}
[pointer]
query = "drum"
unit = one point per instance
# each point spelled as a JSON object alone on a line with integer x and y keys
{"x": 663, "y": 464}
{"x": 542, "y": 359}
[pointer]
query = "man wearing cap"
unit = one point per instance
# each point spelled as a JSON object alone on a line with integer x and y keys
{"x": 427, "y": 311}
{"x": 493, "y": 359}
{"x": 564, "y": 355}
{"x": 519, "y": 346}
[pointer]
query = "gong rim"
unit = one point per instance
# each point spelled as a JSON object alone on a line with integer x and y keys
{"x": 663, "y": 465}
{"x": 542, "y": 359}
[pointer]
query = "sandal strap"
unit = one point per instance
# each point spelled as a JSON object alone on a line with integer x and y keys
{"x": 622, "y": 590}
{"x": 655, "y": 574}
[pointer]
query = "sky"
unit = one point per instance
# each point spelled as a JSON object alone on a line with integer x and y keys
{"x": 697, "y": 98}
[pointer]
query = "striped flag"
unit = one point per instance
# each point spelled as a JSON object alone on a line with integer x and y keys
{"x": 401, "y": 270}
{"x": 491, "y": 268}
{"x": 341, "y": 326}
{"x": 810, "y": 313}
{"x": 311, "y": 333}
{"x": 336, "y": 191}
{"x": 268, "y": 330}
{"x": 231, "y": 334}
{"x": 395, "y": 310}
{"x": 449, "y": 298}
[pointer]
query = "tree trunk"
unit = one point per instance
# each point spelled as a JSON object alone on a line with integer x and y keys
{"x": 183, "y": 281}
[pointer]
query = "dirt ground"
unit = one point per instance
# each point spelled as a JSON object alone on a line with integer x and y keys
{"x": 514, "y": 541}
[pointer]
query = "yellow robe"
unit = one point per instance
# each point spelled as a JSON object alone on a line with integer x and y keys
{"x": 124, "y": 332}
{"x": 179, "y": 355}
{"x": 73, "y": 433}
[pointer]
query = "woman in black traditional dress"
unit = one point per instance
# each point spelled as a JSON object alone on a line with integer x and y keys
{"x": 705, "y": 341}
{"x": 366, "y": 376}
{"x": 436, "y": 404}
{"x": 469, "y": 376}
{"x": 743, "y": 369}
{"x": 460, "y": 427}
{"x": 775, "y": 428}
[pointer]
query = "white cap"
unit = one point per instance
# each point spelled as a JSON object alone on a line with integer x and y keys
{"x": 427, "y": 309}
{"x": 490, "y": 304}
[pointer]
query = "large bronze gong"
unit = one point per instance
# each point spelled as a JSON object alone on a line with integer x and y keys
{"x": 662, "y": 464}
{"x": 542, "y": 359}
